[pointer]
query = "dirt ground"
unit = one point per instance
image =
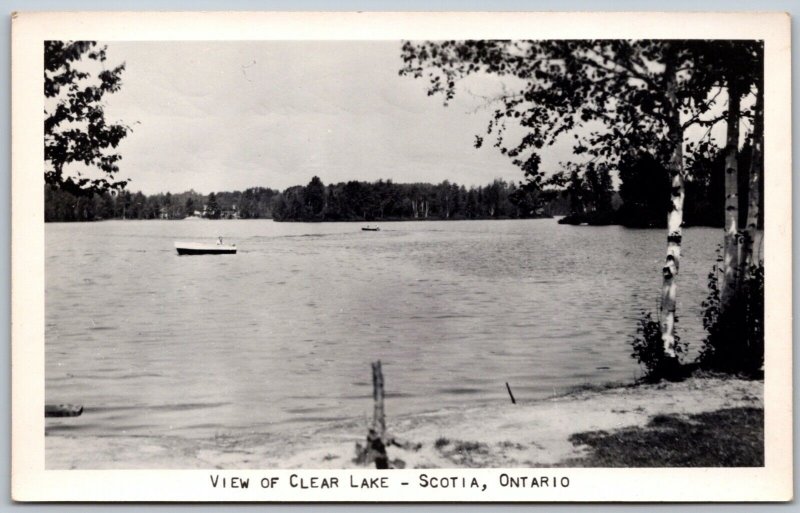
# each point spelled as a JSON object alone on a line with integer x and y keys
{"x": 526, "y": 434}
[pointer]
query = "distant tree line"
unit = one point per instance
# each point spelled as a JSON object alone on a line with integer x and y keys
{"x": 63, "y": 206}
{"x": 641, "y": 201}
{"x": 387, "y": 200}
{"x": 350, "y": 201}
{"x": 582, "y": 194}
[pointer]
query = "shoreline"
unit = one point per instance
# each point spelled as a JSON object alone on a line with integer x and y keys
{"x": 393, "y": 220}
{"x": 535, "y": 433}
{"x": 312, "y": 221}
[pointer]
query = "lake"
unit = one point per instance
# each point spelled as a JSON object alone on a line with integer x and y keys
{"x": 281, "y": 335}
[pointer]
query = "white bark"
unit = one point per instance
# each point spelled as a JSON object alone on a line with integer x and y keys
{"x": 730, "y": 258}
{"x": 669, "y": 286}
{"x": 751, "y": 250}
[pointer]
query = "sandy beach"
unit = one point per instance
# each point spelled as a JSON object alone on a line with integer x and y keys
{"x": 526, "y": 434}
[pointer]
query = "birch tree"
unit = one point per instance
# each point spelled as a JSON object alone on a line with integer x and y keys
{"x": 751, "y": 254}
{"x": 746, "y": 63}
{"x": 643, "y": 94}
{"x": 738, "y": 68}
{"x": 731, "y": 237}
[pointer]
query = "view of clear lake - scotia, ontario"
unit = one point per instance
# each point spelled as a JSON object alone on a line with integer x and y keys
{"x": 404, "y": 254}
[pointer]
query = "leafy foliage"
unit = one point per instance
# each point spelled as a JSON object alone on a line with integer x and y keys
{"x": 212, "y": 207}
{"x": 617, "y": 90}
{"x": 314, "y": 194}
{"x": 350, "y": 201}
{"x": 386, "y": 200}
{"x": 648, "y": 350}
{"x": 63, "y": 206}
{"x": 735, "y": 340}
{"x": 644, "y": 182}
{"x": 589, "y": 191}
{"x": 75, "y": 126}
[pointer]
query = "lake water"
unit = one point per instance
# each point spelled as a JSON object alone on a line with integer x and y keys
{"x": 281, "y": 335}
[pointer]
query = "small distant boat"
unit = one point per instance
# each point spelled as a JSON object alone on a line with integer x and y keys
{"x": 199, "y": 248}
{"x": 369, "y": 228}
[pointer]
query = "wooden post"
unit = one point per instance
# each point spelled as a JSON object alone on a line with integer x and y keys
{"x": 513, "y": 401}
{"x": 375, "y": 449}
{"x": 376, "y": 439}
{"x": 379, "y": 417}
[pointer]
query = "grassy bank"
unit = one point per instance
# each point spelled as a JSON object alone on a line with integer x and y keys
{"x": 732, "y": 437}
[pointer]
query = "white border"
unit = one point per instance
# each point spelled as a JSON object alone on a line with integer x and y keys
{"x": 30, "y": 482}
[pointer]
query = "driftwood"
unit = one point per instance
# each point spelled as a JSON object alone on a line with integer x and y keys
{"x": 405, "y": 444}
{"x": 62, "y": 410}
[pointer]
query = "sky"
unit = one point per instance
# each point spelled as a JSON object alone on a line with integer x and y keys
{"x": 215, "y": 116}
{"x": 222, "y": 116}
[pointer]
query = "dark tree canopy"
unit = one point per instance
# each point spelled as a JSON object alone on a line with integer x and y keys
{"x": 643, "y": 182}
{"x": 614, "y": 89}
{"x": 315, "y": 197}
{"x": 75, "y": 125}
{"x": 212, "y": 210}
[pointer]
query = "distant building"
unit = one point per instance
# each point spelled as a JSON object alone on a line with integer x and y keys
{"x": 232, "y": 213}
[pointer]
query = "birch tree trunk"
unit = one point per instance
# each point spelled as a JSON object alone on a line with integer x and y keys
{"x": 750, "y": 250}
{"x": 730, "y": 258}
{"x": 675, "y": 214}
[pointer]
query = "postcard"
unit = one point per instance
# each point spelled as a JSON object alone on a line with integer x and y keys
{"x": 401, "y": 257}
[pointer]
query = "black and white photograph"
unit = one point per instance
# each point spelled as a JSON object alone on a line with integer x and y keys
{"x": 409, "y": 254}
